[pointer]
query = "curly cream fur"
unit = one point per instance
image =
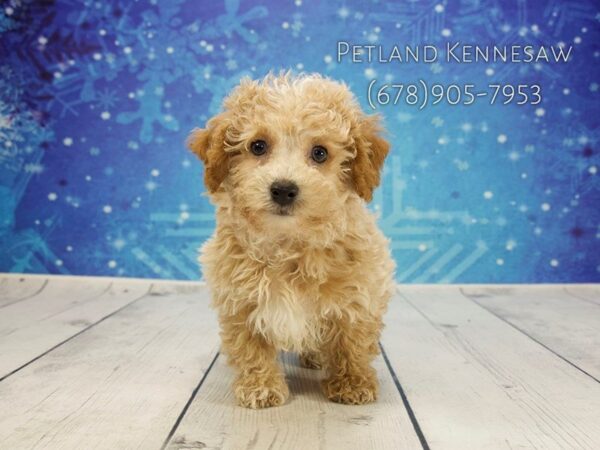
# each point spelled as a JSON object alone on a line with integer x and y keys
{"x": 315, "y": 281}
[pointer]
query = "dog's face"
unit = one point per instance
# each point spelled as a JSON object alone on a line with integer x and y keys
{"x": 286, "y": 153}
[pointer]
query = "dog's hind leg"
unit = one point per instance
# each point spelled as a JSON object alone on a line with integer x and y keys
{"x": 311, "y": 360}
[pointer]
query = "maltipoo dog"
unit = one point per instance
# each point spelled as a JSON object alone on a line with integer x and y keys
{"x": 296, "y": 262}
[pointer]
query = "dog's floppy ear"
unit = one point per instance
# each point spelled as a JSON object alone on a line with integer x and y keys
{"x": 371, "y": 150}
{"x": 209, "y": 145}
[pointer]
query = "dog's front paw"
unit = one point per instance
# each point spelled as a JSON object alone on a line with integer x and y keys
{"x": 351, "y": 389}
{"x": 258, "y": 392}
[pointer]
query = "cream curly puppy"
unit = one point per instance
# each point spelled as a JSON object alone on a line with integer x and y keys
{"x": 296, "y": 262}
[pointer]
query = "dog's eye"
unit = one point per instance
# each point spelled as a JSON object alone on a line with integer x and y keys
{"x": 319, "y": 154}
{"x": 258, "y": 147}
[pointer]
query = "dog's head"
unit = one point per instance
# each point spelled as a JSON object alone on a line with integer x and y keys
{"x": 289, "y": 152}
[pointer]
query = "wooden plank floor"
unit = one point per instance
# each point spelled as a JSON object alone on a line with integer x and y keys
{"x": 118, "y": 364}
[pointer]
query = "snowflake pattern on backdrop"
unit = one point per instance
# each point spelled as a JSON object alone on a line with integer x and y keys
{"x": 97, "y": 98}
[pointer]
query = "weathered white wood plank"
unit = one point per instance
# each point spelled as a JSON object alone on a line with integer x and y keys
{"x": 31, "y": 326}
{"x": 589, "y": 292}
{"x": 475, "y": 382}
{"x": 563, "y": 323}
{"x": 120, "y": 384}
{"x": 306, "y": 421}
{"x": 14, "y": 289}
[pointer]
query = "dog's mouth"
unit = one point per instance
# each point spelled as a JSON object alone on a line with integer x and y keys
{"x": 283, "y": 211}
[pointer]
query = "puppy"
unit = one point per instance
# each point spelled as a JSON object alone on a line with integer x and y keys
{"x": 296, "y": 262}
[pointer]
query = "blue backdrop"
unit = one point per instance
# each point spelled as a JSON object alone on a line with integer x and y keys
{"x": 97, "y": 97}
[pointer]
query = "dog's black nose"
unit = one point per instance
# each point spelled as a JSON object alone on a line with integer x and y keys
{"x": 284, "y": 192}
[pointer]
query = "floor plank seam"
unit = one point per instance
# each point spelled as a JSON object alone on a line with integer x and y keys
{"x": 27, "y": 297}
{"x": 82, "y": 302}
{"x": 572, "y": 294}
{"x": 464, "y": 294}
{"x": 409, "y": 410}
{"x": 75, "y": 335}
{"x": 189, "y": 402}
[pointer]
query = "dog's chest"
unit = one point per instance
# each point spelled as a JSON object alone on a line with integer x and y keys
{"x": 286, "y": 316}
